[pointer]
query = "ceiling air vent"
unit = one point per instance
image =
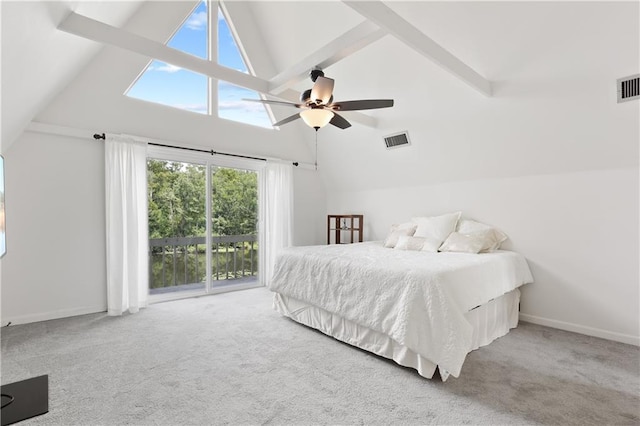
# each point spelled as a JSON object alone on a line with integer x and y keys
{"x": 397, "y": 140}
{"x": 629, "y": 88}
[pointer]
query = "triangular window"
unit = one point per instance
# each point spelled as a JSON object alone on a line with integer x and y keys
{"x": 176, "y": 87}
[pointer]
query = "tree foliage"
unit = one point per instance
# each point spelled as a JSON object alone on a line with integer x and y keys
{"x": 234, "y": 202}
{"x": 177, "y": 201}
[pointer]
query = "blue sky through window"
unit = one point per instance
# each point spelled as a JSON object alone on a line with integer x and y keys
{"x": 173, "y": 86}
{"x": 192, "y": 37}
{"x": 228, "y": 51}
{"x": 230, "y": 103}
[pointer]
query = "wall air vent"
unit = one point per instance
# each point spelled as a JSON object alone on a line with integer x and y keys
{"x": 629, "y": 88}
{"x": 397, "y": 140}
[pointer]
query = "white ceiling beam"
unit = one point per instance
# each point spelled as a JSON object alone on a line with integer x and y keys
{"x": 382, "y": 15}
{"x": 103, "y": 33}
{"x": 348, "y": 43}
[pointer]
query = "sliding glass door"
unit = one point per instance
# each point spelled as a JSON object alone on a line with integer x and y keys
{"x": 203, "y": 234}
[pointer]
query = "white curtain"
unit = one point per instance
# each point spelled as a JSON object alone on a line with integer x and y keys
{"x": 127, "y": 232}
{"x": 277, "y": 208}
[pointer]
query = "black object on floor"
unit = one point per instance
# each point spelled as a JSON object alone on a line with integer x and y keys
{"x": 30, "y": 399}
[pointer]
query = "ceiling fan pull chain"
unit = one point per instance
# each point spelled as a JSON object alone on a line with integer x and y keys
{"x": 316, "y": 163}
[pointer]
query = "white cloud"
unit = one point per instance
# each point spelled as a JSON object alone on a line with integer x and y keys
{"x": 197, "y": 21}
{"x": 244, "y": 112}
{"x": 166, "y": 68}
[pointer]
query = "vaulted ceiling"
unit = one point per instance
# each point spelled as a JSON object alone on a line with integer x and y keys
{"x": 41, "y": 55}
{"x": 436, "y": 59}
{"x": 38, "y": 60}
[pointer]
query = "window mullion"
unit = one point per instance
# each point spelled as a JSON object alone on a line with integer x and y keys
{"x": 213, "y": 54}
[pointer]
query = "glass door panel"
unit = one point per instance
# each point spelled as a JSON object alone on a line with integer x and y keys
{"x": 177, "y": 226}
{"x": 234, "y": 234}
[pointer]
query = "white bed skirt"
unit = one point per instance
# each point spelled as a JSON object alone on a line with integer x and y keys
{"x": 489, "y": 321}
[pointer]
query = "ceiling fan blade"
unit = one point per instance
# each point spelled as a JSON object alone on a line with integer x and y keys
{"x": 287, "y": 120}
{"x": 266, "y": 101}
{"x": 361, "y": 104}
{"x": 339, "y": 121}
{"x": 322, "y": 90}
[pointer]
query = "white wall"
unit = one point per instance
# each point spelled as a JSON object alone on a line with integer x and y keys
{"x": 309, "y": 205}
{"x": 578, "y": 231}
{"x": 551, "y": 158}
{"x": 55, "y": 208}
{"x": 55, "y": 204}
{"x": 31, "y": 43}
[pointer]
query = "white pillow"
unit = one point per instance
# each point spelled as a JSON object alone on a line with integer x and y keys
{"x": 456, "y": 241}
{"x": 436, "y": 228}
{"x": 430, "y": 245}
{"x": 493, "y": 236}
{"x": 406, "y": 242}
{"x": 397, "y": 231}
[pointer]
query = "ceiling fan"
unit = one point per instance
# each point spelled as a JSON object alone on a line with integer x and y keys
{"x": 319, "y": 108}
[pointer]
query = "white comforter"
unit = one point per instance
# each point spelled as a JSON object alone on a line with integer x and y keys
{"x": 416, "y": 298}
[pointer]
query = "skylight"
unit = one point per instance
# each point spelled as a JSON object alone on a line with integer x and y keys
{"x": 173, "y": 86}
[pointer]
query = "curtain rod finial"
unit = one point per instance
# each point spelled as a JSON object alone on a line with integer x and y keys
{"x": 97, "y": 136}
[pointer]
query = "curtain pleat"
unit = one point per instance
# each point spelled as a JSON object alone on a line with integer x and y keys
{"x": 277, "y": 205}
{"x": 127, "y": 228}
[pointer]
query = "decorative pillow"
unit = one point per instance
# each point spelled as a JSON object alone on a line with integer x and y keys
{"x": 397, "y": 231}
{"x": 493, "y": 236}
{"x": 456, "y": 241}
{"x": 430, "y": 245}
{"x": 436, "y": 228}
{"x": 406, "y": 242}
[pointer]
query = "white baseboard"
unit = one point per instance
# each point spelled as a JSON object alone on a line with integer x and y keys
{"x": 46, "y": 316}
{"x": 576, "y": 328}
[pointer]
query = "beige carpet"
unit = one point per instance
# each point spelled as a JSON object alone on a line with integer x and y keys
{"x": 231, "y": 359}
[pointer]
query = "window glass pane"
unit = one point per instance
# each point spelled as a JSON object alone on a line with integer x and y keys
{"x": 232, "y": 107}
{"x": 173, "y": 86}
{"x": 230, "y": 103}
{"x": 234, "y": 218}
{"x": 228, "y": 51}
{"x": 177, "y": 226}
{"x": 192, "y": 35}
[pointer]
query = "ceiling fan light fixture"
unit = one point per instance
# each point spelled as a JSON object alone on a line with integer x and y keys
{"x": 316, "y": 117}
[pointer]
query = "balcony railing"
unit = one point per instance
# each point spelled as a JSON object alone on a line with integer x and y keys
{"x": 181, "y": 261}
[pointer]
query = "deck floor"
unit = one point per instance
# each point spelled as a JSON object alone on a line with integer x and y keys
{"x": 200, "y": 286}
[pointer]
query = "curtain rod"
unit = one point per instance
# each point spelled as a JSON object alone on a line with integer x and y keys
{"x": 98, "y": 136}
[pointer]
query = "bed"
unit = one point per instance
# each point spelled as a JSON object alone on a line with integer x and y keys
{"x": 424, "y": 310}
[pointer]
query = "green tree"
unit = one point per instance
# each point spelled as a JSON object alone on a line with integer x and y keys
{"x": 177, "y": 205}
{"x": 176, "y": 199}
{"x": 234, "y": 201}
